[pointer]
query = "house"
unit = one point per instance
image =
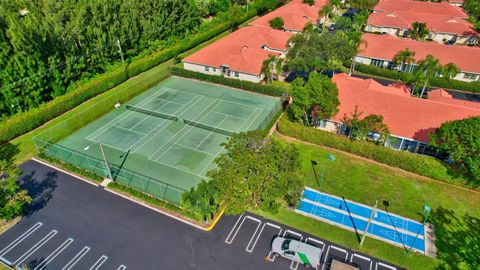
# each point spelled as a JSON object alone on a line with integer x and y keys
{"x": 295, "y": 15}
{"x": 239, "y": 55}
{"x": 379, "y": 50}
{"x": 456, "y": 3}
{"x": 445, "y": 23}
{"x": 409, "y": 119}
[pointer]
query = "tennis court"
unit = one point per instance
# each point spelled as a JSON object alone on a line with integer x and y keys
{"x": 169, "y": 135}
{"x": 354, "y": 216}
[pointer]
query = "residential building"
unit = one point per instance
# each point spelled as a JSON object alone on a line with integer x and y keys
{"x": 295, "y": 15}
{"x": 379, "y": 50}
{"x": 446, "y": 23}
{"x": 239, "y": 55}
{"x": 457, "y": 3}
{"x": 409, "y": 119}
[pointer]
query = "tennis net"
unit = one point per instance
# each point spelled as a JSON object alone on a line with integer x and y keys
{"x": 214, "y": 129}
{"x": 152, "y": 113}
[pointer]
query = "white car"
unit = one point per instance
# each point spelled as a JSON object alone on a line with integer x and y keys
{"x": 297, "y": 251}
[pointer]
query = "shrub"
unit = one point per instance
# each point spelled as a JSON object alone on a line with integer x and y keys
{"x": 473, "y": 87}
{"x": 419, "y": 164}
{"x": 250, "y": 86}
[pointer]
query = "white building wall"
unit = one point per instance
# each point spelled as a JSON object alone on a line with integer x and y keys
{"x": 363, "y": 60}
{"x": 217, "y": 71}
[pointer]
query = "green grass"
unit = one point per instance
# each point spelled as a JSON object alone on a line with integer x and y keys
{"x": 455, "y": 211}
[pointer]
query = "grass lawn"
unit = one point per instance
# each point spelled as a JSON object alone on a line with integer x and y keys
{"x": 455, "y": 211}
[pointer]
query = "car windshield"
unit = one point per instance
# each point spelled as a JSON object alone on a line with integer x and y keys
{"x": 285, "y": 244}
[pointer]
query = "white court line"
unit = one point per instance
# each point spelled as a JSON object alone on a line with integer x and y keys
{"x": 121, "y": 116}
{"x": 163, "y": 128}
{"x": 180, "y": 137}
{"x": 122, "y": 267}
{"x": 228, "y": 115}
{"x": 54, "y": 254}
{"x": 241, "y": 217}
{"x": 201, "y": 151}
{"x": 384, "y": 265}
{"x": 246, "y": 120}
{"x": 35, "y": 247}
{"x": 19, "y": 239}
{"x": 251, "y": 123}
{"x": 77, "y": 258}
{"x": 251, "y": 239}
{"x": 99, "y": 263}
{"x": 211, "y": 132}
{"x": 180, "y": 169}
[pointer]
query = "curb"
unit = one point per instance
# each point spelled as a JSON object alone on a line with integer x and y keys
{"x": 64, "y": 171}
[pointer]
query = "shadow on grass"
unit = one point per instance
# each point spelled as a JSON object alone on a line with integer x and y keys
{"x": 457, "y": 239}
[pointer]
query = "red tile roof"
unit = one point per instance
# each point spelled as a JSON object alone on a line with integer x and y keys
{"x": 386, "y": 46}
{"x": 438, "y": 23}
{"x": 295, "y": 15}
{"x": 405, "y": 116}
{"x": 420, "y": 7}
{"x": 242, "y": 50}
{"x": 443, "y": 96}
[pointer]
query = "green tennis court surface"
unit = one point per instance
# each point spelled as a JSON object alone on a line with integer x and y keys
{"x": 170, "y": 134}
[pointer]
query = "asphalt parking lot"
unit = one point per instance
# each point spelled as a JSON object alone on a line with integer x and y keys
{"x": 75, "y": 225}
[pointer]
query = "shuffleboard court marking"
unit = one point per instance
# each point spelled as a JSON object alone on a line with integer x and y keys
{"x": 19, "y": 239}
{"x": 54, "y": 254}
{"x": 35, "y": 247}
{"x": 76, "y": 258}
{"x": 99, "y": 262}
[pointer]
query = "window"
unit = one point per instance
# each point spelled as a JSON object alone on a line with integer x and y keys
{"x": 291, "y": 253}
{"x": 214, "y": 69}
{"x": 236, "y": 74}
{"x": 207, "y": 68}
{"x": 470, "y": 76}
{"x": 286, "y": 244}
{"x": 377, "y": 63}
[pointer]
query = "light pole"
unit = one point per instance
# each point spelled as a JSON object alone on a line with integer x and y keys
{"x": 104, "y": 158}
{"x": 331, "y": 158}
{"x": 314, "y": 163}
{"x": 426, "y": 209}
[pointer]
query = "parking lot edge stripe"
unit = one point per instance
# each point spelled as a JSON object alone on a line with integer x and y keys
{"x": 66, "y": 172}
{"x": 215, "y": 221}
{"x": 156, "y": 209}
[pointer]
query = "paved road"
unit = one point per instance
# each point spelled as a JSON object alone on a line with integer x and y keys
{"x": 75, "y": 225}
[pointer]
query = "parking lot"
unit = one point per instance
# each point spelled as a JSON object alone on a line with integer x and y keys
{"x": 76, "y": 225}
{"x": 253, "y": 235}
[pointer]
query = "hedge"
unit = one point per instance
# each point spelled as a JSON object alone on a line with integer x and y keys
{"x": 473, "y": 87}
{"x": 419, "y": 164}
{"x": 270, "y": 90}
{"x": 22, "y": 123}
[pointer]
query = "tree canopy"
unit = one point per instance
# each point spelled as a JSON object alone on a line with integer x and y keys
{"x": 276, "y": 23}
{"x": 358, "y": 127}
{"x": 256, "y": 172}
{"x": 315, "y": 99}
{"x": 461, "y": 140}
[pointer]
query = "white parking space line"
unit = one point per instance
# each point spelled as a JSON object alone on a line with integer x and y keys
{"x": 361, "y": 257}
{"x": 241, "y": 217}
{"x": 294, "y": 233}
{"x": 54, "y": 254}
{"x": 35, "y": 247}
{"x": 22, "y": 237}
{"x": 384, "y": 265}
{"x": 269, "y": 256}
{"x": 99, "y": 263}
{"x": 341, "y": 250}
{"x": 316, "y": 242}
{"x": 292, "y": 267}
{"x": 325, "y": 258}
{"x": 249, "y": 250}
{"x": 258, "y": 235}
{"x": 122, "y": 267}
{"x": 77, "y": 258}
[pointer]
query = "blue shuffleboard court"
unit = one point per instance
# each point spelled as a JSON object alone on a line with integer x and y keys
{"x": 354, "y": 216}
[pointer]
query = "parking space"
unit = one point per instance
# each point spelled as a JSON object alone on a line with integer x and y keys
{"x": 254, "y": 235}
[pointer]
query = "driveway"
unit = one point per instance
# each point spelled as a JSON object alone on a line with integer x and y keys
{"x": 76, "y": 225}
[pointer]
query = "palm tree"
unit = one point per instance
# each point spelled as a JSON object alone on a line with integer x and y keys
{"x": 450, "y": 70}
{"x": 405, "y": 57}
{"x": 419, "y": 31}
{"x": 326, "y": 11}
{"x": 427, "y": 68}
{"x": 268, "y": 67}
{"x": 359, "y": 50}
{"x": 278, "y": 67}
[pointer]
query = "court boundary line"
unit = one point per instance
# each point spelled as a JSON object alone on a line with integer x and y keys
{"x": 249, "y": 126}
{"x": 201, "y": 151}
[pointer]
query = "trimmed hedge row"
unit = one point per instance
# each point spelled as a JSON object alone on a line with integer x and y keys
{"x": 270, "y": 90}
{"x": 473, "y": 87}
{"x": 419, "y": 164}
{"x": 24, "y": 122}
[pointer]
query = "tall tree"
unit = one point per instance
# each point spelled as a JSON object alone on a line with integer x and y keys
{"x": 276, "y": 23}
{"x": 257, "y": 172}
{"x": 427, "y": 69}
{"x": 359, "y": 127}
{"x": 419, "y": 31}
{"x": 450, "y": 71}
{"x": 461, "y": 140}
{"x": 405, "y": 57}
{"x": 268, "y": 68}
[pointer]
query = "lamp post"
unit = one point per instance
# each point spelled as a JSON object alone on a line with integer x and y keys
{"x": 314, "y": 163}
{"x": 104, "y": 158}
{"x": 426, "y": 209}
{"x": 331, "y": 158}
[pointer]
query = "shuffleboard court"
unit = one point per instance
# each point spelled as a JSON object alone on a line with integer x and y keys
{"x": 168, "y": 137}
{"x": 354, "y": 216}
